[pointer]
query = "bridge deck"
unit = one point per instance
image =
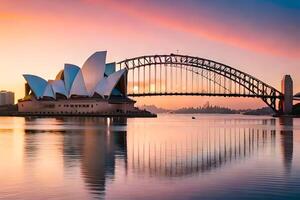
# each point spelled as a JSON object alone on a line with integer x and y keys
{"x": 201, "y": 94}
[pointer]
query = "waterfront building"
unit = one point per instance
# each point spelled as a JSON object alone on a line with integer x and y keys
{"x": 7, "y": 98}
{"x": 96, "y": 88}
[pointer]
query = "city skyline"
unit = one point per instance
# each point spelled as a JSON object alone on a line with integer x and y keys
{"x": 39, "y": 37}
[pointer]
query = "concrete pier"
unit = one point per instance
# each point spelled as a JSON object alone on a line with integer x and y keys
{"x": 287, "y": 90}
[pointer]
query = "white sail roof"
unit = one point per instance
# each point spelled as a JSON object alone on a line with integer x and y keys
{"x": 36, "y": 84}
{"x": 101, "y": 87}
{"x": 80, "y": 82}
{"x": 106, "y": 85}
{"x": 78, "y": 86}
{"x": 49, "y": 91}
{"x": 93, "y": 70}
{"x": 70, "y": 72}
{"x": 58, "y": 86}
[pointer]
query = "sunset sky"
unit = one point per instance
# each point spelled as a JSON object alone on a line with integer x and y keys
{"x": 260, "y": 37}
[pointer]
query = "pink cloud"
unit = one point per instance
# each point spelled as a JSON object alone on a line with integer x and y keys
{"x": 206, "y": 26}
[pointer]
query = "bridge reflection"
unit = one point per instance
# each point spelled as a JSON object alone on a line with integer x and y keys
{"x": 100, "y": 146}
{"x": 190, "y": 153}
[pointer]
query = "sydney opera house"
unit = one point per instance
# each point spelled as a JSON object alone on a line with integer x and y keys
{"x": 96, "y": 88}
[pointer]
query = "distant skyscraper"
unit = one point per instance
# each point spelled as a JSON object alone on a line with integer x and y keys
{"x": 7, "y": 97}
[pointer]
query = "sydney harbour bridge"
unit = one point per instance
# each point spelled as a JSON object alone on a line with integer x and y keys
{"x": 173, "y": 74}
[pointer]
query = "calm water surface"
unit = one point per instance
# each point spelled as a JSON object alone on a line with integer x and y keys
{"x": 169, "y": 157}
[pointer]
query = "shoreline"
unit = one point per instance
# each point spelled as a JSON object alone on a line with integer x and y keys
{"x": 141, "y": 114}
{"x": 128, "y": 115}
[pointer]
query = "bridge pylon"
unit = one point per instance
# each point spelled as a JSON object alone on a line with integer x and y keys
{"x": 287, "y": 91}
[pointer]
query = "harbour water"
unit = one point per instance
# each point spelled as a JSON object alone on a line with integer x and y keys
{"x": 168, "y": 157}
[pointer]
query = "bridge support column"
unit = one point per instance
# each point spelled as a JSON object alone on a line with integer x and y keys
{"x": 287, "y": 91}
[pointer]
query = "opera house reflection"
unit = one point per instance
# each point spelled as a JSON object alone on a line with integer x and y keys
{"x": 97, "y": 144}
{"x": 87, "y": 140}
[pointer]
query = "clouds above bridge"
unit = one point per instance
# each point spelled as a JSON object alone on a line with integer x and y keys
{"x": 266, "y": 26}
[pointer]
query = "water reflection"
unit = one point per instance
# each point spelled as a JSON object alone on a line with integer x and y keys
{"x": 98, "y": 143}
{"x": 190, "y": 153}
{"x": 100, "y": 151}
{"x": 90, "y": 141}
{"x": 287, "y": 142}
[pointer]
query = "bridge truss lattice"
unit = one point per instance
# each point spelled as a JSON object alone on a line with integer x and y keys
{"x": 174, "y": 74}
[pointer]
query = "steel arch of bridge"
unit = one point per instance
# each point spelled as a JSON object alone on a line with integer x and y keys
{"x": 156, "y": 75}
